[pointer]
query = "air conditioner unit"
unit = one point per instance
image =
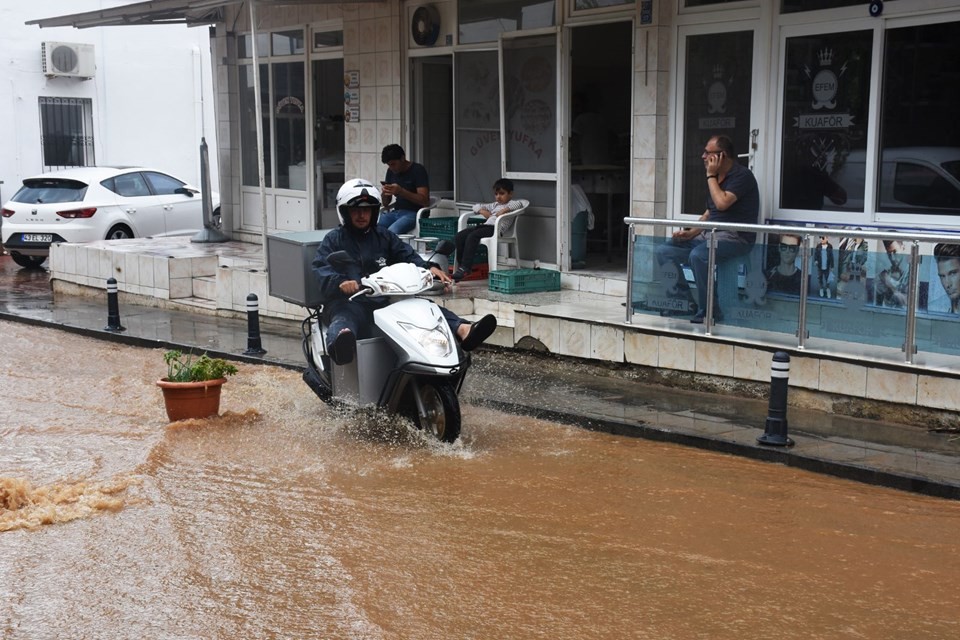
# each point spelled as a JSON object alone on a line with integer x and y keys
{"x": 68, "y": 59}
{"x": 431, "y": 24}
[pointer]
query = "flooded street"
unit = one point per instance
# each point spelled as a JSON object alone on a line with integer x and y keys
{"x": 284, "y": 518}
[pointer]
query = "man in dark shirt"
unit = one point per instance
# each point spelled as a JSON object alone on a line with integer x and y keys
{"x": 406, "y": 190}
{"x": 733, "y": 197}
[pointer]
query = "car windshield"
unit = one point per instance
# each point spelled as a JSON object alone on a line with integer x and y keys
{"x": 50, "y": 190}
{"x": 953, "y": 168}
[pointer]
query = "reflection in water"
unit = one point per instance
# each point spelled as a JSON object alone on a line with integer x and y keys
{"x": 285, "y": 518}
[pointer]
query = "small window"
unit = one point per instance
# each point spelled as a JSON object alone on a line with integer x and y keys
{"x": 66, "y": 132}
{"x": 485, "y": 21}
{"x": 586, "y": 5}
{"x": 287, "y": 43}
{"x": 245, "y": 45}
{"x": 331, "y": 39}
{"x": 162, "y": 184}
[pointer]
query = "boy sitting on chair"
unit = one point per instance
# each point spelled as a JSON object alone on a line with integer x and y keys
{"x": 468, "y": 239}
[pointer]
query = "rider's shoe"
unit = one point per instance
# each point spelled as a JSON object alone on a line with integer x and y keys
{"x": 344, "y": 347}
{"x": 460, "y": 274}
{"x": 479, "y": 331}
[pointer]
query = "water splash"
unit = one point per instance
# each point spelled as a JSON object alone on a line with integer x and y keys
{"x": 23, "y": 506}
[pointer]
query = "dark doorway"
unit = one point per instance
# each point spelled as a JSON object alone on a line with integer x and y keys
{"x": 600, "y": 89}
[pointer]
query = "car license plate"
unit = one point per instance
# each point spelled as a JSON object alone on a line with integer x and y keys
{"x": 38, "y": 237}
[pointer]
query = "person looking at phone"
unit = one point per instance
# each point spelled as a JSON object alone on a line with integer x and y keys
{"x": 733, "y": 196}
{"x": 405, "y": 190}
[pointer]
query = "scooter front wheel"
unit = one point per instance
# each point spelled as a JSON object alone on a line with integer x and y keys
{"x": 442, "y": 408}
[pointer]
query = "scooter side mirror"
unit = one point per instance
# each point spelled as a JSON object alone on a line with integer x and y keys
{"x": 340, "y": 260}
{"x": 445, "y": 248}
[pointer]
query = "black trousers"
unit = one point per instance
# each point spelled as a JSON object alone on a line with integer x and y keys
{"x": 467, "y": 242}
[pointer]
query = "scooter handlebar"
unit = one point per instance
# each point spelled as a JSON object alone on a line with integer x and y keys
{"x": 364, "y": 291}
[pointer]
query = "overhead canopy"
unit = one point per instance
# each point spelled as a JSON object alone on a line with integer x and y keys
{"x": 189, "y": 12}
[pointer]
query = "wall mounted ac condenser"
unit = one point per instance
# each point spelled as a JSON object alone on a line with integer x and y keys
{"x": 68, "y": 59}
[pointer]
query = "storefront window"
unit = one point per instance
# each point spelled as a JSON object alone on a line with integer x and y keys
{"x": 824, "y": 134}
{"x": 248, "y": 125}
{"x": 485, "y": 20}
{"x": 289, "y": 112}
{"x": 477, "y": 121}
{"x": 530, "y": 104}
{"x": 919, "y": 129}
{"x": 717, "y": 94}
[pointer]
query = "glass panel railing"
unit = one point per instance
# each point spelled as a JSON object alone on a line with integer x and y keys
{"x": 823, "y": 287}
{"x": 863, "y": 305}
{"x": 938, "y": 313}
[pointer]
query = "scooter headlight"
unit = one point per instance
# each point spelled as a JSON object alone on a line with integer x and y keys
{"x": 434, "y": 341}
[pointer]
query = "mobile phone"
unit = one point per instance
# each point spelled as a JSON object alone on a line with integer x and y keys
{"x": 382, "y": 182}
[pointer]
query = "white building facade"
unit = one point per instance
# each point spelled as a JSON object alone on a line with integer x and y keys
{"x": 101, "y": 96}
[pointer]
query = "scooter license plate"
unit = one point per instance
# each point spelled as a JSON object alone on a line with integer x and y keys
{"x": 38, "y": 237}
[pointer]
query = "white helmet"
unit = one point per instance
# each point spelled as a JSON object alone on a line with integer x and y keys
{"x": 357, "y": 193}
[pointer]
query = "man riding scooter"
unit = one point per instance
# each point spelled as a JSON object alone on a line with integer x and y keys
{"x": 372, "y": 248}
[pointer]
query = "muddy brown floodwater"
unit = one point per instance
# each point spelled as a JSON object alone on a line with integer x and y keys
{"x": 286, "y": 519}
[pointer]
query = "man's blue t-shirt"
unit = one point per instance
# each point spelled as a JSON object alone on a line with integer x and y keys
{"x": 415, "y": 176}
{"x": 746, "y": 209}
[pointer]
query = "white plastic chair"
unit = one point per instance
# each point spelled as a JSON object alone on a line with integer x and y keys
{"x": 425, "y": 212}
{"x": 504, "y": 233}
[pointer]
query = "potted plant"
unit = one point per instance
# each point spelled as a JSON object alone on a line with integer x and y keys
{"x": 191, "y": 388}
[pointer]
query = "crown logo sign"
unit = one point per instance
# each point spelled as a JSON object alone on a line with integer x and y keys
{"x": 826, "y": 57}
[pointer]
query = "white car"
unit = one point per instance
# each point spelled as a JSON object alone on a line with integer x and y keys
{"x": 97, "y": 203}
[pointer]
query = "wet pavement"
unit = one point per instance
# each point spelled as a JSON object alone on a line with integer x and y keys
{"x": 564, "y": 390}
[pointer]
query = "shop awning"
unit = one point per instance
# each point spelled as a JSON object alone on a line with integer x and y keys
{"x": 189, "y": 12}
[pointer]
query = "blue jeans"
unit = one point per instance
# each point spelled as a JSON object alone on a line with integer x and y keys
{"x": 696, "y": 253}
{"x": 398, "y": 221}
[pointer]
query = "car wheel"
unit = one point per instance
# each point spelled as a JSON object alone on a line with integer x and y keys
{"x": 28, "y": 262}
{"x": 119, "y": 232}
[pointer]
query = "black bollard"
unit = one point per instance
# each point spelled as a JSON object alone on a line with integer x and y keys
{"x": 113, "y": 308}
{"x": 253, "y": 327}
{"x": 775, "y": 433}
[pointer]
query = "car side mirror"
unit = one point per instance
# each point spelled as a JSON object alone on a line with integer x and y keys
{"x": 184, "y": 191}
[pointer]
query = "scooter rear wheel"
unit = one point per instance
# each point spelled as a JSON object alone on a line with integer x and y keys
{"x": 442, "y": 409}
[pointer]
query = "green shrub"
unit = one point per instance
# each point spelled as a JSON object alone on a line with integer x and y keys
{"x": 187, "y": 368}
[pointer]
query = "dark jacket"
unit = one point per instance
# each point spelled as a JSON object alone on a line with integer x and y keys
{"x": 374, "y": 249}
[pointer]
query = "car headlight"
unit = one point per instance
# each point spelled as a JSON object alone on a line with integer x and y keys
{"x": 434, "y": 341}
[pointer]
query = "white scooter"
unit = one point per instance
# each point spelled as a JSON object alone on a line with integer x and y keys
{"x": 413, "y": 366}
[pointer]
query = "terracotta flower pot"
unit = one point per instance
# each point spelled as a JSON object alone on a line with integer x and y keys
{"x": 185, "y": 400}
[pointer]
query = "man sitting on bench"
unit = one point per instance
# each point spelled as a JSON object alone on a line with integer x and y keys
{"x": 732, "y": 197}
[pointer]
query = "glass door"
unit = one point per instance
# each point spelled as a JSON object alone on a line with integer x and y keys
{"x": 432, "y": 108}
{"x": 718, "y": 72}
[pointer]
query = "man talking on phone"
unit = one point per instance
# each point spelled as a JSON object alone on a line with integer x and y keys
{"x": 405, "y": 188}
{"x": 732, "y": 196}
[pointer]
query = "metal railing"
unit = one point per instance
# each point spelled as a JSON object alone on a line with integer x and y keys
{"x": 661, "y": 229}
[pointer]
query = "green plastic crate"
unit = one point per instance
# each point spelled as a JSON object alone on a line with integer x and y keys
{"x": 443, "y": 228}
{"x": 524, "y": 280}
